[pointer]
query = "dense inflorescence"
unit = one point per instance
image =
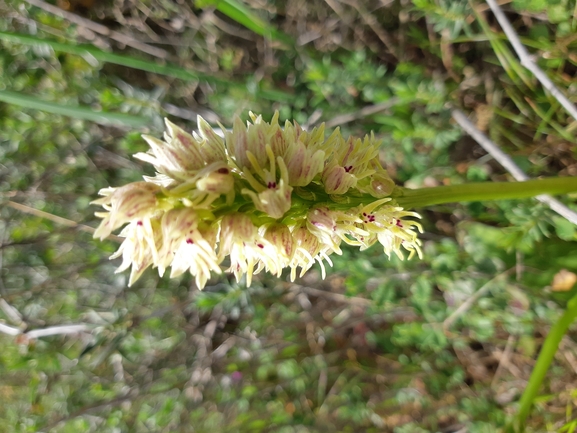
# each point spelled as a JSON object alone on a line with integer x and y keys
{"x": 265, "y": 196}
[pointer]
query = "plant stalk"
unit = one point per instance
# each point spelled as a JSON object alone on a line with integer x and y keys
{"x": 544, "y": 361}
{"x": 482, "y": 191}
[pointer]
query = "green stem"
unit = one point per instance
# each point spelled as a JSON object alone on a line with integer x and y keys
{"x": 544, "y": 361}
{"x": 416, "y": 198}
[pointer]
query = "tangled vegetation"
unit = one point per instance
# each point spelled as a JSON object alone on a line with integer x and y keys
{"x": 443, "y": 344}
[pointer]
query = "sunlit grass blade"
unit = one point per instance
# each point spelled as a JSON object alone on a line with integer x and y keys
{"x": 244, "y": 16}
{"x": 511, "y": 65}
{"x": 78, "y": 112}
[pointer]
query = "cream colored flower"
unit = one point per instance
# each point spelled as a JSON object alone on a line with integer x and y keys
{"x": 139, "y": 249}
{"x": 281, "y": 239}
{"x": 193, "y": 167}
{"x": 352, "y": 160}
{"x": 333, "y": 226}
{"x": 187, "y": 246}
{"x": 391, "y": 229}
{"x": 181, "y": 155}
{"x": 308, "y": 250}
{"x": 273, "y": 195}
{"x": 128, "y": 203}
{"x": 240, "y": 240}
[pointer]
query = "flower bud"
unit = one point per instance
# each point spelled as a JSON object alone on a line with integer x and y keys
{"x": 303, "y": 164}
{"x": 219, "y": 181}
{"x": 273, "y": 201}
{"x": 378, "y": 185}
{"x": 212, "y": 144}
{"x": 178, "y": 156}
{"x": 337, "y": 180}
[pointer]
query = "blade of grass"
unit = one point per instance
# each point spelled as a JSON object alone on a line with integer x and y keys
{"x": 509, "y": 134}
{"x": 143, "y": 65}
{"x": 517, "y": 118}
{"x": 509, "y": 62}
{"x": 245, "y": 17}
{"x": 78, "y": 112}
{"x": 527, "y": 61}
{"x": 542, "y": 127}
{"x": 560, "y": 130}
{"x": 507, "y": 162}
{"x": 544, "y": 360}
{"x": 117, "y": 59}
{"x": 517, "y": 98}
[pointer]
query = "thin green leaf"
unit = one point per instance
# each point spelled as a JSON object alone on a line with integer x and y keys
{"x": 244, "y": 16}
{"x": 544, "y": 360}
{"x": 132, "y": 62}
{"x": 78, "y": 112}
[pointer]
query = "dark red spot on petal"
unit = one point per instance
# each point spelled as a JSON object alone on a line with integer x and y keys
{"x": 223, "y": 170}
{"x": 271, "y": 185}
{"x": 399, "y": 223}
{"x": 139, "y": 223}
{"x": 260, "y": 245}
{"x": 348, "y": 168}
{"x": 189, "y": 241}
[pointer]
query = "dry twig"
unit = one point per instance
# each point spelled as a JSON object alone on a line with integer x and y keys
{"x": 504, "y": 359}
{"x": 37, "y": 333}
{"x": 103, "y": 30}
{"x": 55, "y": 218}
{"x": 506, "y": 161}
{"x": 362, "y": 113}
{"x": 526, "y": 61}
{"x": 470, "y": 301}
{"x": 336, "y": 297}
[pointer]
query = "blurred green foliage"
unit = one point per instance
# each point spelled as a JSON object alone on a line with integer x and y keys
{"x": 369, "y": 349}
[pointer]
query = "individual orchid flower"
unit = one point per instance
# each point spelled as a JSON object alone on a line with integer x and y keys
{"x": 127, "y": 203}
{"x": 139, "y": 249}
{"x": 351, "y": 161}
{"x": 240, "y": 240}
{"x": 273, "y": 195}
{"x": 187, "y": 246}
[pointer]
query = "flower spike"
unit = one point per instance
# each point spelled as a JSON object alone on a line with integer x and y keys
{"x": 267, "y": 197}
